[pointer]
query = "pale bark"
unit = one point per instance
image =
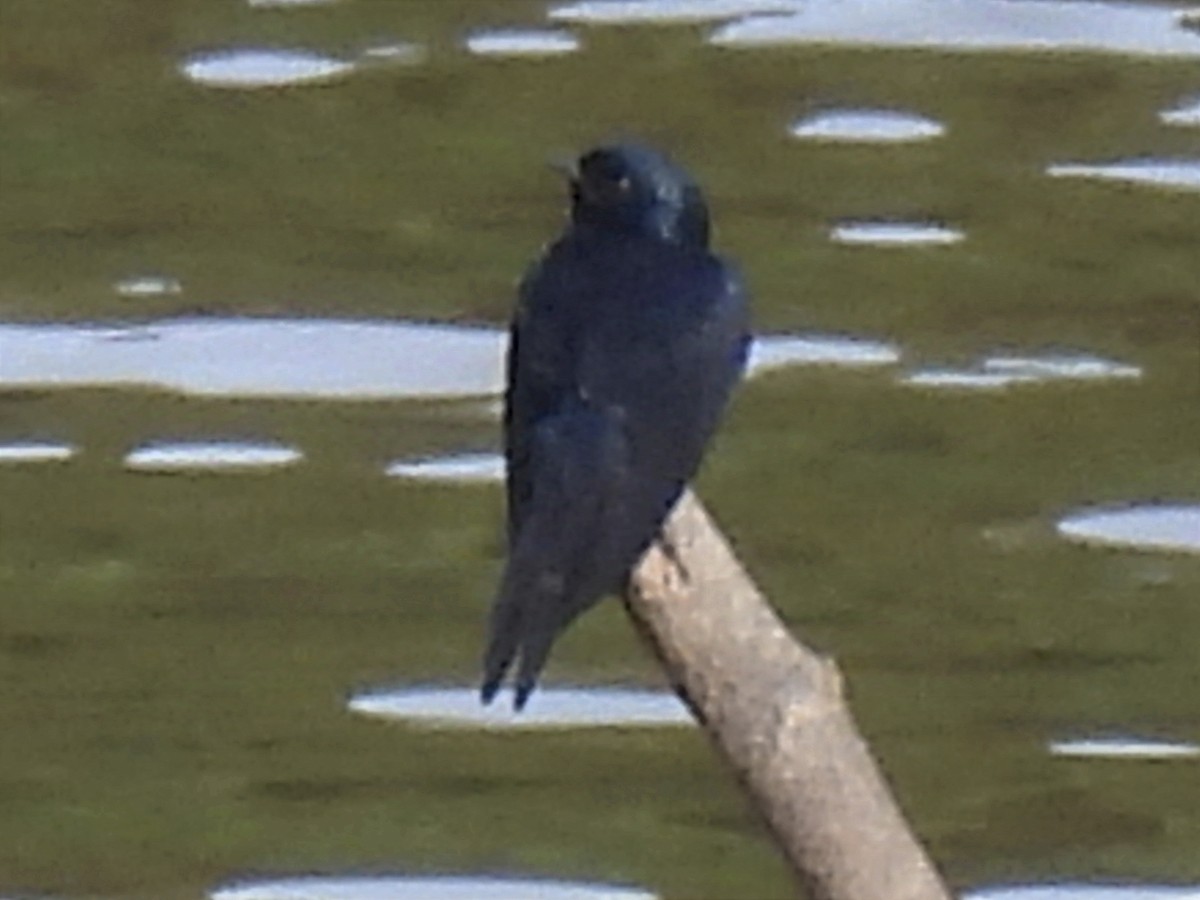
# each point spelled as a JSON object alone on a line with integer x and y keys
{"x": 777, "y": 713}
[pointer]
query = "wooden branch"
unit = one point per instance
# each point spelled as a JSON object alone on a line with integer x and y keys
{"x": 776, "y": 712}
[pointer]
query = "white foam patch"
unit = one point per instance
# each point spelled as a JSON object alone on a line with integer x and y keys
{"x": 1180, "y": 174}
{"x": 466, "y": 467}
{"x": 780, "y": 351}
{"x": 1123, "y": 748}
{"x": 974, "y": 25}
{"x": 285, "y": 3}
{"x": 393, "y": 53}
{"x": 1186, "y": 113}
{"x": 868, "y": 126}
{"x": 895, "y": 234}
{"x": 148, "y": 286}
{"x": 1067, "y": 891}
{"x": 35, "y": 452}
{"x": 1167, "y": 527}
{"x": 522, "y": 43}
{"x": 964, "y": 379}
{"x": 263, "y": 68}
{"x": 1062, "y": 367}
{"x": 999, "y": 372}
{"x": 400, "y": 888}
{"x": 210, "y": 456}
{"x": 318, "y": 358}
{"x": 309, "y": 358}
{"x": 548, "y": 708}
{"x": 629, "y": 12}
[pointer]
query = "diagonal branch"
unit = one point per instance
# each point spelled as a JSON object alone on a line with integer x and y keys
{"x": 776, "y": 712}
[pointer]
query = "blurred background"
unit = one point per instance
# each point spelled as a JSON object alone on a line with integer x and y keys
{"x": 1002, "y": 196}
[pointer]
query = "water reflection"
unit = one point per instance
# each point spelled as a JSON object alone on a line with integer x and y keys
{"x": 363, "y": 887}
{"x": 1123, "y": 748}
{"x": 619, "y": 12}
{"x": 1186, "y": 113}
{"x": 1062, "y": 367}
{"x": 222, "y": 456}
{"x": 895, "y": 234}
{"x": 1005, "y": 371}
{"x": 1080, "y": 891}
{"x": 1168, "y": 527}
{"x": 1183, "y": 174}
{"x": 1076, "y": 25}
{"x": 319, "y": 358}
{"x": 468, "y": 467}
{"x": 867, "y": 126}
{"x": 148, "y": 286}
{"x": 781, "y": 351}
{"x": 964, "y": 379}
{"x": 522, "y": 43}
{"x": 262, "y": 68}
{"x": 35, "y": 452}
{"x": 549, "y": 708}
{"x": 396, "y": 52}
{"x": 260, "y": 357}
{"x": 274, "y": 3}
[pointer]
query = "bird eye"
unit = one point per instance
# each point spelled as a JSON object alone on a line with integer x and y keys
{"x": 603, "y": 187}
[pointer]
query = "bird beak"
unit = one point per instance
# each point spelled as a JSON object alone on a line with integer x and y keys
{"x": 564, "y": 166}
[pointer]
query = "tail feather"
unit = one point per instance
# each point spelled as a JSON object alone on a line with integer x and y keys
{"x": 501, "y": 653}
{"x": 505, "y": 630}
{"x": 563, "y": 559}
{"x": 524, "y": 623}
{"x": 535, "y": 650}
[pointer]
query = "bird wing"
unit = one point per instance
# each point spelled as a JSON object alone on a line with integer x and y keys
{"x": 540, "y": 374}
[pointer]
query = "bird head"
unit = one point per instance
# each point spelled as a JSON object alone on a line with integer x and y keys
{"x": 630, "y": 188}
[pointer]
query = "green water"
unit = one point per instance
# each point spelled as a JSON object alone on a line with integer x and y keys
{"x": 175, "y": 652}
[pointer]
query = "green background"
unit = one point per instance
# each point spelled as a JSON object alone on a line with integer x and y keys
{"x": 175, "y": 652}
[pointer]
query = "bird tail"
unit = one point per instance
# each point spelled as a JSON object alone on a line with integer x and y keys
{"x": 579, "y": 466}
{"x": 521, "y": 622}
{"x": 534, "y": 603}
{"x": 590, "y": 518}
{"x": 508, "y": 638}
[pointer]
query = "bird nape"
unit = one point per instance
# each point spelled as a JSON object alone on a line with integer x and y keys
{"x": 627, "y": 340}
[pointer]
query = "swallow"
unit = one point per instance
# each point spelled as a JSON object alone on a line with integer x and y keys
{"x": 628, "y": 338}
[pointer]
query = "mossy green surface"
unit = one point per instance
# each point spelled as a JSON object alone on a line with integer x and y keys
{"x": 175, "y": 651}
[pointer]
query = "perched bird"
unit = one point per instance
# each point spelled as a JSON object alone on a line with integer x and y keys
{"x": 627, "y": 341}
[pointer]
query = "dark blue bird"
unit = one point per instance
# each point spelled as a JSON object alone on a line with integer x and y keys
{"x": 628, "y": 339}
